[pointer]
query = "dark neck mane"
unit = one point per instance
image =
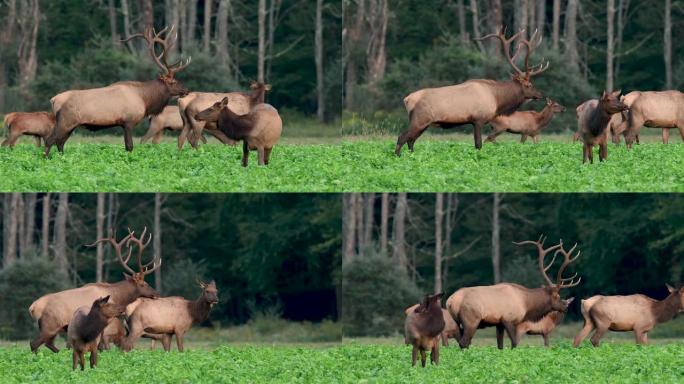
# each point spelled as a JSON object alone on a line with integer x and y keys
{"x": 509, "y": 96}
{"x": 156, "y": 95}
{"x": 539, "y": 303}
{"x": 666, "y": 309}
{"x": 598, "y": 119}
{"x": 199, "y": 310}
{"x": 235, "y": 126}
{"x": 122, "y": 292}
{"x": 93, "y": 325}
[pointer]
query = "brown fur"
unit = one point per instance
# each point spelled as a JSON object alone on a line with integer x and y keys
{"x": 37, "y": 124}
{"x": 451, "y": 329}
{"x": 637, "y": 313}
{"x": 594, "y": 125}
{"x": 544, "y": 326}
{"x": 525, "y": 123}
{"x": 169, "y": 316}
{"x": 113, "y": 333}
{"x": 663, "y": 109}
{"x": 86, "y": 326}
{"x": 423, "y": 328}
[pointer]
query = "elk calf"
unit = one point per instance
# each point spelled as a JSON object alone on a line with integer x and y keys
{"x": 594, "y": 124}
{"x": 423, "y": 327}
{"x": 525, "y": 123}
{"x": 37, "y": 124}
{"x": 451, "y": 329}
{"x": 169, "y": 315}
{"x": 86, "y": 326}
{"x": 544, "y": 326}
{"x": 637, "y": 313}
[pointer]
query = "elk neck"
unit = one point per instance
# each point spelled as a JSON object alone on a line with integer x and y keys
{"x": 123, "y": 292}
{"x": 93, "y": 325}
{"x": 556, "y": 317}
{"x": 545, "y": 116}
{"x": 509, "y": 96}
{"x": 598, "y": 119}
{"x": 666, "y": 309}
{"x": 199, "y": 309}
{"x": 538, "y": 303}
{"x": 235, "y": 126}
{"x": 155, "y": 95}
{"x": 431, "y": 322}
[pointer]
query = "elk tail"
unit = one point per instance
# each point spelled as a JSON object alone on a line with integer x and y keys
{"x": 7, "y": 122}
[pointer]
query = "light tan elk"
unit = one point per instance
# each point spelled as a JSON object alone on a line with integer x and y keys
{"x": 637, "y": 313}
{"x": 86, "y": 326}
{"x": 170, "y": 120}
{"x": 525, "y": 123}
{"x": 53, "y": 311}
{"x": 195, "y": 102}
{"x": 475, "y": 102}
{"x": 168, "y": 316}
{"x": 506, "y": 305}
{"x": 259, "y": 130}
{"x": 545, "y": 326}
{"x": 121, "y": 104}
{"x": 451, "y": 329}
{"x": 36, "y": 124}
{"x": 594, "y": 124}
{"x": 423, "y": 327}
{"x": 655, "y": 110}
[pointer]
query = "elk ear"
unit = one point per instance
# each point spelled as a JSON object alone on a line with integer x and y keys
{"x": 604, "y": 95}
{"x": 669, "y": 288}
{"x": 104, "y": 299}
{"x": 570, "y": 300}
{"x": 267, "y": 87}
{"x": 224, "y": 102}
{"x": 617, "y": 93}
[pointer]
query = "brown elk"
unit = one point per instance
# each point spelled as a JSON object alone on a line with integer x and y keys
{"x": 475, "y": 102}
{"x": 423, "y": 327}
{"x": 167, "y": 316}
{"x": 594, "y": 124}
{"x": 451, "y": 329}
{"x": 616, "y": 125}
{"x": 170, "y": 120}
{"x": 663, "y": 109}
{"x": 53, "y": 311}
{"x": 544, "y": 326}
{"x": 195, "y": 102}
{"x": 121, "y": 104}
{"x": 259, "y": 130}
{"x": 525, "y": 123}
{"x": 36, "y": 124}
{"x": 637, "y": 313}
{"x": 86, "y": 326}
{"x": 506, "y": 305}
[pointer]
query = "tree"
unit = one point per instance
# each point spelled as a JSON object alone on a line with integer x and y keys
{"x": 376, "y": 57}
{"x": 610, "y": 48}
{"x": 556, "y": 23}
{"x": 667, "y": 44}
{"x": 571, "y": 34}
{"x": 439, "y": 247}
{"x": 61, "y": 234}
{"x": 156, "y": 243}
{"x": 221, "y": 34}
{"x": 192, "y": 22}
{"x": 45, "y": 240}
{"x": 496, "y": 242}
{"x": 206, "y": 35}
{"x": 348, "y": 227}
{"x": 384, "y": 218}
{"x": 320, "y": 89}
{"x": 30, "y": 223}
{"x": 399, "y": 231}
{"x": 28, "y": 22}
{"x": 99, "y": 224}
{"x": 261, "y": 52}
{"x": 462, "y": 25}
{"x": 11, "y": 201}
{"x": 476, "y": 24}
{"x": 6, "y": 37}
{"x": 111, "y": 7}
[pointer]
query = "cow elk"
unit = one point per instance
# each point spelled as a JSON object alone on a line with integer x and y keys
{"x": 663, "y": 109}
{"x": 170, "y": 316}
{"x": 544, "y": 326}
{"x": 170, "y": 120}
{"x": 86, "y": 326}
{"x": 423, "y": 328}
{"x": 36, "y": 124}
{"x": 475, "y": 102}
{"x": 121, "y": 104}
{"x": 525, "y": 123}
{"x": 259, "y": 129}
{"x": 636, "y": 313}
{"x": 594, "y": 124}
{"x": 451, "y": 329}
{"x": 53, "y": 311}
{"x": 616, "y": 125}
{"x": 506, "y": 305}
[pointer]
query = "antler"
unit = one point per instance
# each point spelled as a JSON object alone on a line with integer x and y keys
{"x": 530, "y": 46}
{"x": 152, "y": 37}
{"x": 506, "y": 45}
{"x": 117, "y": 248}
{"x": 542, "y": 254}
{"x": 567, "y": 259}
{"x": 142, "y": 244}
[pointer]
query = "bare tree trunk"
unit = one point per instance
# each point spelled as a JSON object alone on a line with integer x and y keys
{"x": 45, "y": 241}
{"x": 352, "y": 40}
{"x": 29, "y": 22}
{"x": 376, "y": 56}
{"x": 496, "y": 246}
{"x": 60, "y": 234}
{"x": 523, "y": 19}
{"x": 495, "y": 21}
{"x": 358, "y": 207}
{"x": 610, "y": 8}
{"x": 21, "y": 225}
{"x": 30, "y": 210}
{"x": 623, "y": 5}
{"x": 112, "y": 22}
{"x": 126, "y": 23}
{"x": 439, "y": 246}
{"x": 452, "y": 205}
{"x": 532, "y": 16}
{"x": 348, "y": 226}
{"x": 556, "y": 23}
{"x": 183, "y": 24}
{"x": 368, "y": 219}
{"x": 99, "y": 224}
{"x": 476, "y": 24}
{"x": 6, "y": 37}
{"x": 273, "y": 12}
{"x": 571, "y": 34}
{"x": 10, "y": 229}
{"x": 384, "y": 221}
{"x": 112, "y": 208}
{"x": 221, "y": 34}
{"x": 148, "y": 13}
{"x": 206, "y": 36}
{"x": 462, "y": 25}
{"x": 192, "y": 22}
{"x": 541, "y": 17}
{"x": 667, "y": 48}
{"x": 318, "y": 38}
{"x": 398, "y": 238}
{"x": 261, "y": 53}
{"x": 156, "y": 243}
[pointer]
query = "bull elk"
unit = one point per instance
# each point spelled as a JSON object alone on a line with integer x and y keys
{"x": 663, "y": 109}
{"x": 36, "y": 124}
{"x": 423, "y": 327}
{"x": 525, "y": 123}
{"x": 637, "y": 313}
{"x": 53, "y": 311}
{"x": 475, "y": 102}
{"x": 121, "y": 104}
{"x": 594, "y": 124}
{"x": 167, "y": 316}
{"x": 545, "y": 326}
{"x": 506, "y": 305}
{"x": 170, "y": 120}
{"x": 86, "y": 326}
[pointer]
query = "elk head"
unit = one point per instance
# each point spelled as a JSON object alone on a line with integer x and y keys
{"x": 108, "y": 309}
{"x": 553, "y": 289}
{"x": 212, "y": 113}
{"x": 153, "y": 38}
{"x": 209, "y": 292}
{"x": 524, "y": 78}
{"x": 679, "y": 293}
{"x": 555, "y": 107}
{"x": 136, "y": 278}
{"x": 429, "y": 301}
{"x": 611, "y": 102}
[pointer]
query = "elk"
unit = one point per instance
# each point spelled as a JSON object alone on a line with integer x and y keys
{"x": 195, "y": 102}
{"x": 651, "y": 109}
{"x": 36, "y": 124}
{"x": 506, "y": 305}
{"x": 525, "y": 123}
{"x": 423, "y": 327}
{"x": 121, "y": 104}
{"x": 53, "y": 311}
{"x": 543, "y": 327}
{"x": 451, "y": 329}
{"x": 113, "y": 333}
{"x": 170, "y": 120}
{"x": 167, "y": 316}
{"x": 637, "y": 313}
{"x": 86, "y": 326}
{"x": 594, "y": 124}
{"x": 616, "y": 125}
{"x": 475, "y": 102}
{"x": 259, "y": 129}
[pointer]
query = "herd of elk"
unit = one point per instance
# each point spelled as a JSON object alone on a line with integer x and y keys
{"x": 525, "y": 123}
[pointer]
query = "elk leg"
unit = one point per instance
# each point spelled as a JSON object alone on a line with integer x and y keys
{"x": 74, "y": 359}
{"x": 81, "y": 359}
{"x": 523, "y": 138}
{"x": 37, "y": 140}
{"x": 414, "y": 356}
{"x": 260, "y": 154}
{"x": 166, "y": 342}
{"x": 680, "y": 126}
{"x": 179, "y": 341}
{"x": 434, "y": 355}
{"x": 267, "y": 155}
{"x": 512, "y": 334}
{"x": 546, "y": 339}
{"x": 603, "y": 151}
{"x": 93, "y": 358}
{"x": 245, "y": 153}
{"x": 151, "y": 132}
{"x": 478, "y": 134}
{"x": 535, "y": 139}
{"x": 423, "y": 357}
{"x": 492, "y": 137}
{"x": 499, "y": 337}
{"x": 584, "y": 332}
{"x": 445, "y": 339}
{"x": 640, "y": 336}
{"x": 128, "y": 136}
{"x": 596, "y": 337}
{"x": 11, "y": 139}
{"x": 468, "y": 333}
{"x": 666, "y": 135}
